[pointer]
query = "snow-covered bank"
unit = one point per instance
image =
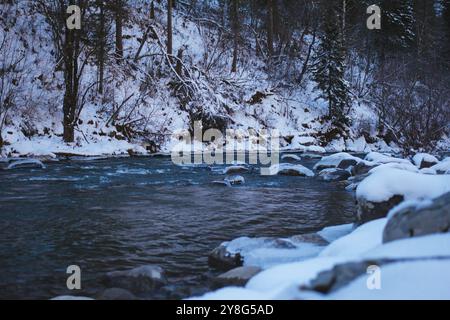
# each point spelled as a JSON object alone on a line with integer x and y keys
{"x": 408, "y": 244}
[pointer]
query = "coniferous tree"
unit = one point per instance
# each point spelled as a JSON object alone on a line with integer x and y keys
{"x": 329, "y": 70}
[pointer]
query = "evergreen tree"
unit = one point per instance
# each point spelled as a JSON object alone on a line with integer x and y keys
{"x": 329, "y": 70}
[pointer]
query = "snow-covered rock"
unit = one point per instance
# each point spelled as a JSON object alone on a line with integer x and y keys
{"x": 442, "y": 167}
{"x": 292, "y": 157}
{"x": 425, "y": 160}
{"x": 235, "y": 169}
{"x": 385, "y": 188}
{"x": 236, "y": 277}
{"x": 382, "y": 158}
{"x": 287, "y": 169}
{"x": 71, "y": 298}
{"x": 26, "y": 164}
{"x": 265, "y": 252}
{"x": 334, "y": 174}
{"x": 334, "y": 160}
{"x": 418, "y": 220}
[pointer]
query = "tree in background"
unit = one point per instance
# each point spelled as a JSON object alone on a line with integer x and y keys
{"x": 329, "y": 69}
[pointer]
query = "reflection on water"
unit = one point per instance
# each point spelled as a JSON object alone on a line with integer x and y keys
{"x": 122, "y": 213}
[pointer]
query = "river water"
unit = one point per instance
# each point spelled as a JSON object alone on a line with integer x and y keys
{"x": 122, "y": 213}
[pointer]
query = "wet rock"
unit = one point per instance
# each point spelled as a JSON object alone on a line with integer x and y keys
{"x": 26, "y": 164}
{"x": 235, "y": 180}
{"x": 418, "y": 221}
{"x": 368, "y": 211}
{"x": 346, "y": 163}
{"x": 236, "y": 277}
{"x": 362, "y": 168}
{"x": 333, "y": 174}
{"x": 235, "y": 169}
{"x": 139, "y": 280}
{"x": 116, "y": 294}
{"x": 221, "y": 259}
{"x": 340, "y": 276}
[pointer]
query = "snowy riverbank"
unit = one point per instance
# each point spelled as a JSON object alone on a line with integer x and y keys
{"x": 400, "y": 238}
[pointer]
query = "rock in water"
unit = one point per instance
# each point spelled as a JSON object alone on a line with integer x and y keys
{"x": 235, "y": 180}
{"x": 139, "y": 280}
{"x": 235, "y": 169}
{"x": 416, "y": 221}
{"x": 363, "y": 168}
{"x": 221, "y": 259}
{"x": 333, "y": 174}
{"x": 287, "y": 169}
{"x": 26, "y": 164}
{"x": 236, "y": 277}
{"x": 368, "y": 210}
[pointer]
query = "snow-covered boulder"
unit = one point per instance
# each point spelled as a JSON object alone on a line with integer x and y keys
{"x": 265, "y": 252}
{"x": 442, "y": 167}
{"x": 287, "y": 169}
{"x": 424, "y": 160}
{"x": 384, "y": 189}
{"x": 26, "y": 164}
{"x": 235, "y": 180}
{"x": 363, "y": 167}
{"x": 335, "y": 160}
{"x": 418, "y": 219}
{"x": 334, "y": 174}
{"x": 236, "y": 169}
{"x": 138, "y": 280}
{"x": 382, "y": 158}
{"x": 291, "y": 157}
{"x": 71, "y": 298}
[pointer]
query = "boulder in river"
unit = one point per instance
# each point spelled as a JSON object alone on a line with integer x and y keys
{"x": 419, "y": 220}
{"x": 341, "y": 160}
{"x": 26, "y": 164}
{"x": 333, "y": 174}
{"x": 235, "y": 169}
{"x": 236, "y": 277}
{"x": 291, "y": 157}
{"x": 363, "y": 168}
{"x": 370, "y": 210}
{"x": 287, "y": 169}
{"x": 221, "y": 259}
{"x": 235, "y": 180}
{"x": 139, "y": 280}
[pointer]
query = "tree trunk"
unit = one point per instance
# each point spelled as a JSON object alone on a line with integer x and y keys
{"x": 119, "y": 29}
{"x": 270, "y": 27}
{"x": 169, "y": 28}
{"x": 102, "y": 49}
{"x": 236, "y": 35}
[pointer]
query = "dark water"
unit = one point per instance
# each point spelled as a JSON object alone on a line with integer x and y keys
{"x": 122, "y": 213}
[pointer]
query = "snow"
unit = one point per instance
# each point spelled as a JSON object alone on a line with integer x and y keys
{"x": 266, "y": 252}
{"x": 364, "y": 238}
{"x": 395, "y": 165}
{"x": 443, "y": 166}
{"x": 383, "y": 184}
{"x": 334, "y": 160}
{"x": 429, "y": 246}
{"x": 335, "y": 232}
{"x": 290, "y": 157}
{"x": 415, "y": 280}
{"x": 285, "y": 167}
{"x": 418, "y": 158}
{"x": 382, "y": 158}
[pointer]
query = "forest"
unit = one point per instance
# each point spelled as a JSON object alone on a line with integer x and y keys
{"x": 140, "y": 70}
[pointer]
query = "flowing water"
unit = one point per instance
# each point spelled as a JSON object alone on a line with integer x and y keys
{"x": 122, "y": 213}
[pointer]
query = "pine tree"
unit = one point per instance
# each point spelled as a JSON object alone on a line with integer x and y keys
{"x": 329, "y": 70}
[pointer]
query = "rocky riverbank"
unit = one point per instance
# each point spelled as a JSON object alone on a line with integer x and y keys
{"x": 401, "y": 230}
